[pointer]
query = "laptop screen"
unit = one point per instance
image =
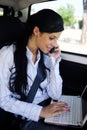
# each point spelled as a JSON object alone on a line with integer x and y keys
{"x": 84, "y": 93}
{"x": 84, "y": 102}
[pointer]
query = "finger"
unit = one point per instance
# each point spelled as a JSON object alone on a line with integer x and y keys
{"x": 61, "y": 107}
{"x": 61, "y": 103}
{"x": 62, "y": 110}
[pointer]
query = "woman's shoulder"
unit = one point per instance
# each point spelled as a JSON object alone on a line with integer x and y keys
{"x": 7, "y": 49}
{"x": 7, "y": 52}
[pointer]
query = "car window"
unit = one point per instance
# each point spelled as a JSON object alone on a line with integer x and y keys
{"x": 1, "y": 11}
{"x": 73, "y": 38}
{"x": 24, "y": 13}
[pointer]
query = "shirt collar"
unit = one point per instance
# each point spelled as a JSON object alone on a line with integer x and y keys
{"x": 30, "y": 55}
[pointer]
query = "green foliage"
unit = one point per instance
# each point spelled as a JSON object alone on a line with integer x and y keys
{"x": 67, "y": 14}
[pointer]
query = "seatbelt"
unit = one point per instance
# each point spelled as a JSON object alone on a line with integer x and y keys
{"x": 36, "y": 84}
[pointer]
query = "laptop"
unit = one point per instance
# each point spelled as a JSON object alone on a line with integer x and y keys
{"x": 78, "y": 111}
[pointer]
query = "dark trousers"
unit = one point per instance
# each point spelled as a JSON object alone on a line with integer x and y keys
{"x": 40, "y": 125}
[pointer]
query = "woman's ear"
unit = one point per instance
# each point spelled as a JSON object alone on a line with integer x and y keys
{"x": 36, "y": 31}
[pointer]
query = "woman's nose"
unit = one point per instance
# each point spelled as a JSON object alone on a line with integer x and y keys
{"x": 55, "y": 43}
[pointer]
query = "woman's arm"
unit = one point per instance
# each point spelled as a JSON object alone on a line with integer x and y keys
{"x": 54, "y": 87}
{"x": 8, "y": 102}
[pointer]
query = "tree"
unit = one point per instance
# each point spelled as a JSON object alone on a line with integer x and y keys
{"x": 68, "y": 14}
{"x": 84, "y": 29}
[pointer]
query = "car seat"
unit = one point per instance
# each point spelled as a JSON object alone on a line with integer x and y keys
{"x": 11, "y": 29}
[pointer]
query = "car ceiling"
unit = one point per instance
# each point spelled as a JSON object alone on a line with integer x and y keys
{"x": 19, "y": 4}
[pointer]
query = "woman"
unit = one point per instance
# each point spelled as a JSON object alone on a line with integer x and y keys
{"x": 21, "y": 61}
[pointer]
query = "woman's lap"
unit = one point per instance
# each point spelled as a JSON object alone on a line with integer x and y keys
{"x": 41, "y": 126}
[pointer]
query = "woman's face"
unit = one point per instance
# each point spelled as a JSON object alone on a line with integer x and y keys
{"x": 46, "y": 41}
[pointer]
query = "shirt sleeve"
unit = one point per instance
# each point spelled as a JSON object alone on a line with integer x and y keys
{"x": 54, "y": 87}
{"x": 10, "y": 103}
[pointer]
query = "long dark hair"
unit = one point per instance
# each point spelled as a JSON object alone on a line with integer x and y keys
{"x": 48, "y": 21}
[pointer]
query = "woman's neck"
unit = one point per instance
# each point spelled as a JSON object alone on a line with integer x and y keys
{"x": 32, "y": 47}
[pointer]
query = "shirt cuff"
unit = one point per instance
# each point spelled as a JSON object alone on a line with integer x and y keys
{"x": 35, "y": 112}
{"x": 54, "y": 62}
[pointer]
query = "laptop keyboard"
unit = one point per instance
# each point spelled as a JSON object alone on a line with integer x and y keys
{"x": 75, "y": 114}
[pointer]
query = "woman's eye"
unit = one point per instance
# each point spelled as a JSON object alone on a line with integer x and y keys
{"x": 51, "y": 38}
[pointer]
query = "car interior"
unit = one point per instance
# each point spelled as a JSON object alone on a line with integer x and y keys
{"x": 73, "y": 65}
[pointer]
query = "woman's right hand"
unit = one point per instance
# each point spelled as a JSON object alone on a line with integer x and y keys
{"x": 53, "y": 109}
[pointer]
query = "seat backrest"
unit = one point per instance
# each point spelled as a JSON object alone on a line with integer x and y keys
{"x": 11, "y": 29}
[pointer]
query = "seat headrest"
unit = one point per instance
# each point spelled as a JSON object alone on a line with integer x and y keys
{"x": 11, "y": 29}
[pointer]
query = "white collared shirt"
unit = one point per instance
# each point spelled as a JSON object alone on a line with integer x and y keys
{"x": 50, "y": 87}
